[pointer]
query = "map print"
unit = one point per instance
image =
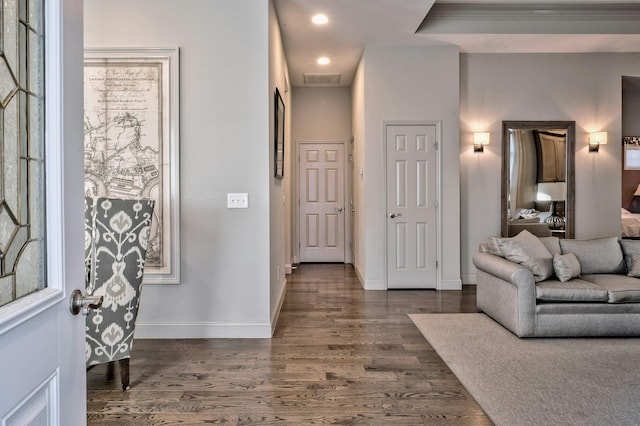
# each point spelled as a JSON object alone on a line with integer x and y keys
{"x": 123, "y": 137}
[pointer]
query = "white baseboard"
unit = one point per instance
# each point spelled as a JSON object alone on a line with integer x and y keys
{"x": 369, "y": 284}
{"x": 276, "y": 312}
{"x": 451, "y": 285}
{"x": 375, "y": 285}
{"x": 203, "y": 330}
{"x": 469, "y": 279}
{"x": 359, "y": 275}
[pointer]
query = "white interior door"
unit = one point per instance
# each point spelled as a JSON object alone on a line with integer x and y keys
{"x": 322, "y": 208}
{"x": 411, "y": 206}
{"x": 42, "y": 372}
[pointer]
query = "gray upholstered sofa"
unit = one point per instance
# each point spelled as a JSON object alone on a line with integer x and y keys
{"x": 551, "y": 287}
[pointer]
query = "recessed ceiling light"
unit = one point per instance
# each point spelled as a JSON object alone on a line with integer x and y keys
{"x": 323, "y": 60}
{"x": 319, "y": 19}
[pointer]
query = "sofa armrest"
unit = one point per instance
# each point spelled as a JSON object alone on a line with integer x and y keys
{"x": 518, "y": 275}
{"x": 506, "y": 291}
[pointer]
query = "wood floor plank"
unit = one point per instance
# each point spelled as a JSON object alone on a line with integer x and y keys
{"x": 339, "y": 355}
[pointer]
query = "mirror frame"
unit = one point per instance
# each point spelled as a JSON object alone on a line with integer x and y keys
{"x": 570, "y": 127}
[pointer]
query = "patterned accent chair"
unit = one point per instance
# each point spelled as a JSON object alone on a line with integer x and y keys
{"x": 116, "y": 237}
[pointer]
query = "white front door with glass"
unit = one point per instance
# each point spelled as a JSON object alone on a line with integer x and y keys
{"x": 42, "y": 369}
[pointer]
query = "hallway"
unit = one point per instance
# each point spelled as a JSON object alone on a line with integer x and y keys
{"x": 339, "y": 355}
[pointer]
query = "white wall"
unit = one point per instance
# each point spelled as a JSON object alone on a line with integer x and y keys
{"x": 225, "y": 146}
{"x": 585, "y": 88}
{"x": 410, "y": 83}
{"x": 280, "y": 190}
{"x": 358, "y": 124}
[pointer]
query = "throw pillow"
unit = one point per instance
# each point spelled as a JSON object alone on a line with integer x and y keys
{"x": 552, "y": 244}
{"x": 566, "y": 266}
{"x": 597, "y": 256}
{"x": 630, "y": 248}
{"x": 491, "y": 247}
{"x": 634, "y": 266}
{"x": 526, "y": 249}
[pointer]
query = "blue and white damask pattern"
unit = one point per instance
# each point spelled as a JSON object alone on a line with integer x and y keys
{"x": 116, "y": 238}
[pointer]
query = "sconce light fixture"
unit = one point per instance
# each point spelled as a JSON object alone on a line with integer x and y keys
{"x": 480, "y": 139}
{"x": 596, "y": 139}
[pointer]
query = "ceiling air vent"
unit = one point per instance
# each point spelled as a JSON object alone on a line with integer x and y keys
{"x": 321, "y": 79}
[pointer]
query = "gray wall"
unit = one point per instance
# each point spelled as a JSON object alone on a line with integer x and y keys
{"x": 225, "y": 146}
{"x": 585, "y": 88}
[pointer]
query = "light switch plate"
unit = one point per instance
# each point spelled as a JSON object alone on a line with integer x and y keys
{"x": 238, "y": 200}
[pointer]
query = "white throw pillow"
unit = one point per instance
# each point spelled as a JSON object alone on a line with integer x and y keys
{"x": 526, "y": 249}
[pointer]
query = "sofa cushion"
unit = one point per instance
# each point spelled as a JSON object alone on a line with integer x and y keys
{"x": 621, "y": 288}
{"x": 527, "y": 250}
{"x": 598, "y": 256}
{"x": 552, "y": 244}
{"x": 566, "y": 266}
{"x": 576, "y": 290}
{"x": 633, "y": 266}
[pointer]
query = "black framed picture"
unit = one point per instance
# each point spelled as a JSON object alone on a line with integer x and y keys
{"x": 279, "y": 136}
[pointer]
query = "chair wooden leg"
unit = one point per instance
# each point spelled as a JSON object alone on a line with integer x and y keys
{"x": 124, "y": 373}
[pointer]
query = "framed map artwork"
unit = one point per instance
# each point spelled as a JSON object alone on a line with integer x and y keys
{"x": 131, "y": 142}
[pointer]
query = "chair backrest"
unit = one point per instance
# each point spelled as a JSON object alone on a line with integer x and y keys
{"x": 119, "y": 234}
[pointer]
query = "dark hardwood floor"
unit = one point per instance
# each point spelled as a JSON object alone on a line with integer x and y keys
{"x": 340, "y": 355}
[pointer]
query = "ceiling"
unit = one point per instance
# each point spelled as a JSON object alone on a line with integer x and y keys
{"x": 475, "y": 26}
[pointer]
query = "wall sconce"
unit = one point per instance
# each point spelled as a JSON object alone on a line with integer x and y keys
{"x": 480, "y": 139}
{"x": 596, "y": 139}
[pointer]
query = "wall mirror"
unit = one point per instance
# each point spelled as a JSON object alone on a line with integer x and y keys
{"x": 538, "y": 172}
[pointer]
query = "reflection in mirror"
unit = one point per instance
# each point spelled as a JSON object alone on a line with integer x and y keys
{"x": 538, "y": 178}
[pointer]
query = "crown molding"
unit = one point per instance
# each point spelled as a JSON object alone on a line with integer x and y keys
{"x": 534, "y": 12}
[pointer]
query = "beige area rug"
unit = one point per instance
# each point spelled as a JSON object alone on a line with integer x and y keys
{"x": 538, "y": 381}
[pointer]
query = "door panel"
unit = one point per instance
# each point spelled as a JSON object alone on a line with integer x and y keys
{"x": 411, "y": 206}
{"x": 43, "y": 379}
{"x": 322, "y": 202}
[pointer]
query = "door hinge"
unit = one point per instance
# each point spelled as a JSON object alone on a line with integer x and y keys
{"x": 436, "y": 264}
{"x": 435, "y": 204}
{"x": 435, "y": 146}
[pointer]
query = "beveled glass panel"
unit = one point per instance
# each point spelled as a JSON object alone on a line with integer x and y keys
{"x": 22, "y": 200}
{"x": 7, "y": 81}
{"x": 8, "y": 228}
{"x": 30, "y": 270}
{"x": 35, "y": 15}
{"x": 10, "y": 31}
{"x": 18, "y": 242}
{"x": 11, "y": 154}
{"x": 35, "y": 64}
{"x": 23, "y": 212}
{"x": 36, "y": 127}
{"x": 23, "y": 54}
{"x": 36, "y": 200}
{"x": 6, "y": 290}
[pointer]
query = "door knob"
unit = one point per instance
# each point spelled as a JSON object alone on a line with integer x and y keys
{"x": 82, "y": 303}
{"x": 394, "y": 215}
{"x": 339, "y": 209}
